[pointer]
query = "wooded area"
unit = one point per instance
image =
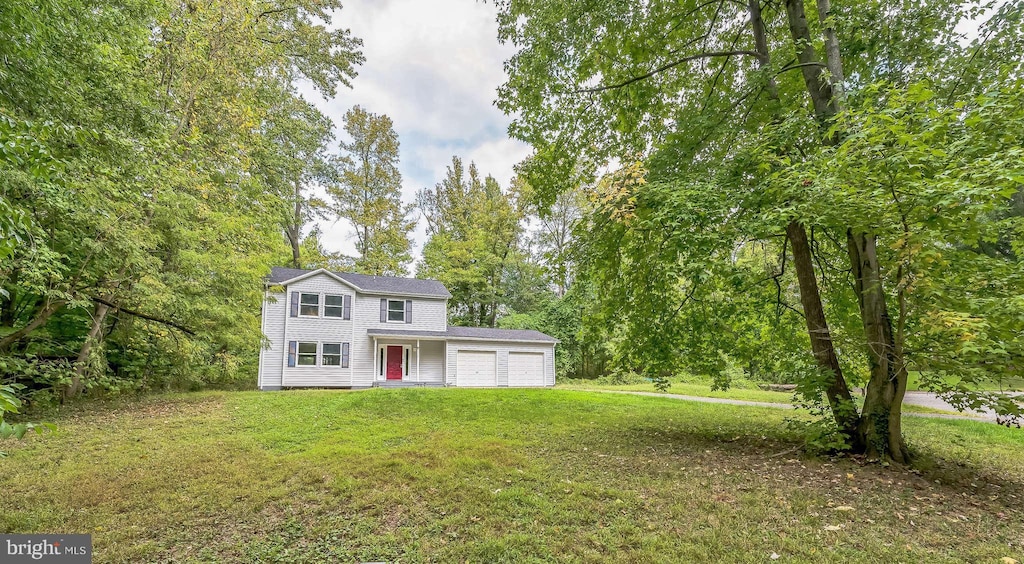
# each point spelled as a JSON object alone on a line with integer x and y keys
{"x": 852, "y": 168}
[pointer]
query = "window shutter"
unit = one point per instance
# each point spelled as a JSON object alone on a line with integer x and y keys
{"x": 408, "y": 311}
{"x": 292, "y": 345}
{"x": 383, "y": 310}
{"x": 295, "y": 304}
{"x": 347, "y": 309}
{"x": 344, "y": 355}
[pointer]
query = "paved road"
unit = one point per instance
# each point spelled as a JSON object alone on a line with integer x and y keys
{"x": 925, "y": 399}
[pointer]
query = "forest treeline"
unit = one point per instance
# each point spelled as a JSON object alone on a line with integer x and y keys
{"x": 157, "y": 158}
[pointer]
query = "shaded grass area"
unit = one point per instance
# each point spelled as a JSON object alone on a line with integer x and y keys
{"x": 500, "y": 476}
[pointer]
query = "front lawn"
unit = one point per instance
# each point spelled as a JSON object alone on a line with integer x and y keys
{"x": 500, "y": 476}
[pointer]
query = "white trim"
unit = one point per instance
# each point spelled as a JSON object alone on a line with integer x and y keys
{"x": 319, "y": 304}
{"x": 316, "y": 355}
{"x": 387, "y": 310}
{"x": 263, "y": 327}
{"x": 323, "y": 298}
{"x": 382, "y": 374}
{"x": 284, "y": 342}
{"x": 417, "y": 360}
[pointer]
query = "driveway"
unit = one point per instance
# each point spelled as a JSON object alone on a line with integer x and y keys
{"x": 924, "y": 399}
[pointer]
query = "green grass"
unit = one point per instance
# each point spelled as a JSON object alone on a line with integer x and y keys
{"x": 500, "y": 476}
{"x": 739, "y": 390}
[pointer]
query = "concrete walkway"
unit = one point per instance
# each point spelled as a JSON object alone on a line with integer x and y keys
{"x": 913, "y": 398}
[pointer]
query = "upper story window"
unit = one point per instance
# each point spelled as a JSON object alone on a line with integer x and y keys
{"x": 334, "y": 306}
{"x": 396, "y": 310}
{"x": 309, "y": 304}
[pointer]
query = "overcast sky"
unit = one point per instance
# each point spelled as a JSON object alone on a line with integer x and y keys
{"x": 434, "y": 68}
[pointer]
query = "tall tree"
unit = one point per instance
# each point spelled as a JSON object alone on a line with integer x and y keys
{"x": 368, "y": 194}
{"x": 292, "y": 159}
{"x": 475, "y": 243}
{"x": 742, "y": 94}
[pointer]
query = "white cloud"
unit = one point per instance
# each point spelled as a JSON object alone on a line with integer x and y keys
{"x": 434, "y": 68}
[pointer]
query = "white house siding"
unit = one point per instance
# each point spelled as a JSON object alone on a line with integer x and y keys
{"x": 271, "y": 358}
{"x": 502, "y": 349}
{"x": 427, "y": 315}
{"x": 318, "y": 330}
{"x": 432, "y": 361}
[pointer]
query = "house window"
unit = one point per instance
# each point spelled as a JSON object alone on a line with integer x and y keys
{"x": 307, "y": 354}
{"x": 396, "y": 310}
{"x": 309, "y": 304}
{"x": 331, "y": 354}
{"x": 334, "y": 306}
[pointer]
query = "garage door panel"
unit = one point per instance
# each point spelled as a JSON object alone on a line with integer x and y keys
{"x": 525, "y": 369}
{"x": 477, "y": 368}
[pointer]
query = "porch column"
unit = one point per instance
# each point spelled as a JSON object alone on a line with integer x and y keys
{"x": 374, "y": 379}
{"x": 417, "y": 360}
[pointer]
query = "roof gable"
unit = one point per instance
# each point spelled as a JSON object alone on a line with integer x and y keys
{"x": 387, "y": 285}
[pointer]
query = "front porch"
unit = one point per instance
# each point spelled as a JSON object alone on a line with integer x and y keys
{"x": 403, "y": 363}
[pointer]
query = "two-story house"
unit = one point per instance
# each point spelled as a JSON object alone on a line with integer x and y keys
{"x": 344, "y": 330}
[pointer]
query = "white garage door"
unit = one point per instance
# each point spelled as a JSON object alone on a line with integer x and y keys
{"x": 477, "y": 368}
{"x": 525, "y": 369}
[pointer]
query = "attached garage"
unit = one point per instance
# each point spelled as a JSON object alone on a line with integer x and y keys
{"x": 482, "y": 357}
{"x": 525, "y": 369}
{"x": 476, "y": 368}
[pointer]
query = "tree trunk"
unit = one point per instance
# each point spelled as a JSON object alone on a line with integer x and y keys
{"x": 40, "y": 319}
{"x": 838, "y": 393}
{"x": 295, "y": 229}
{"x": 7, "y": 303}
{"x": 82, "y": 362}
{"x": 880, "y": 426}
{"x": 879, "y": 434}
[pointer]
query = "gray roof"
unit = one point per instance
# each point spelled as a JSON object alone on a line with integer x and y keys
{"x": 371, "y": 284}
{"x": 475, "y": 333}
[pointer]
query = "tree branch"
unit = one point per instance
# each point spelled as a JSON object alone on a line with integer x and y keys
{"x": 663, "y": 68}
{"x": 140, "y": 315}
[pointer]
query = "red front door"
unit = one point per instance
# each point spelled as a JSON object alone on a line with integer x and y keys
{"x": 394, "y": 365}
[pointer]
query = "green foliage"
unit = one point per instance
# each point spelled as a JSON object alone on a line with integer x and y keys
{"x": 475, "y": 244}
{"x": 151, "y": 151}
{"x": 714, "y": 149}
{"x": 10, "y": 403}
{"x": 367, "y": 193}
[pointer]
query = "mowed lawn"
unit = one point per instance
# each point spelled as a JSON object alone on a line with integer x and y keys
{"x": 500, "y": 476}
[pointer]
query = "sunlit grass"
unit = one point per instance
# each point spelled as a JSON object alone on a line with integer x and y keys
{"x": 499, "y": 476}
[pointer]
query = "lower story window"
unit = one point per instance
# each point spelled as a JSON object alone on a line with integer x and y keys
{"x": 307, "y": 354}
{"x": 331, "y": 355}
